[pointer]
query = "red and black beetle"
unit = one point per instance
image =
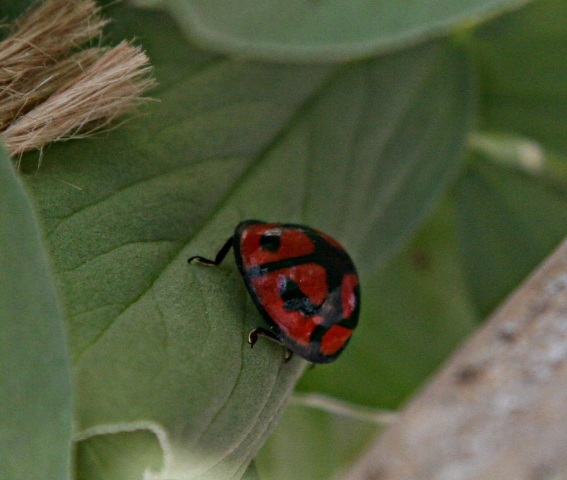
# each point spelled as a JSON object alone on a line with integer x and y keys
{"x": 303, "y": 283}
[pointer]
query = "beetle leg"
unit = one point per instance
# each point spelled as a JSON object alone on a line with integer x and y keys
{"x": 259, "y": 331}
{"x": 218, "y": 259}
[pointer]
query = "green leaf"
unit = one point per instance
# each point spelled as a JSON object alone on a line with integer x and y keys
{"x": 35, "y": 378}
{"x": 317, "y": 438}
{"x": 361, "y": 151}
{"x": 119, "y": 456}
{"x": 251, "y": 473}
{"x": 10, "y": 9}
{"x": 300, "y": 30}
{"x": 522, "y": 60}
{"x": 509, "y": 222}
{"x": 416, "y": 311}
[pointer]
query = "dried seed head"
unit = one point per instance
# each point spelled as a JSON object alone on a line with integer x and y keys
{"x": 45, "y": 34}
{"x": 106, "y": 90}
{"x": 31, "y": 90}
{"x": 50, "y": 90}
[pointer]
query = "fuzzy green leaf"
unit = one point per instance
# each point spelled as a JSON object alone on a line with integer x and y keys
{"x": 35, "y": 377}
{"x": 120, "y": 456}
{"x": 300, "y": 30}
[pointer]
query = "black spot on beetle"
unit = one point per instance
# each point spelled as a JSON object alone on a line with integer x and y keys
{"x": 295, "y": 300}
{"x": 270, "y": 242}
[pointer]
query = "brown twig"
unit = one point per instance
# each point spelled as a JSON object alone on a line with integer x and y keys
{"x": 498, "y": 410}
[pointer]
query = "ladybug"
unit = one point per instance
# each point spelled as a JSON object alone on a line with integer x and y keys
{"x": 302, "y": 281}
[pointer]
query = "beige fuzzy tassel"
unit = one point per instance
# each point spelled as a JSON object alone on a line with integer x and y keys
{"x": 51, "y": 90}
